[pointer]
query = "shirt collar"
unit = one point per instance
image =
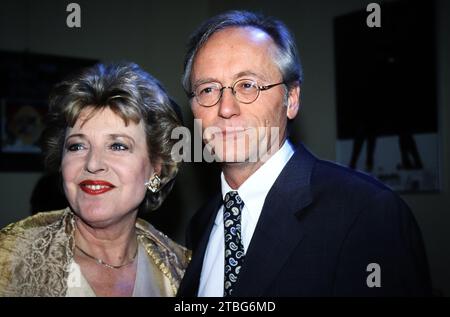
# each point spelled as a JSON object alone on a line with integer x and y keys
{"x": 255, "y": 189}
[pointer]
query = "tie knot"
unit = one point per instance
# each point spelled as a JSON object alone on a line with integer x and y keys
{"x": 232, "y": 198}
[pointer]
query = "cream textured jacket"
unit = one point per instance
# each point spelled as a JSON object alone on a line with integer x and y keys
{"x": 36, "y": 254}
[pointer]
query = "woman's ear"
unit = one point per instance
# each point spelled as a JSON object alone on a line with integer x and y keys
{"x": 157, "y": 167}
{"x": 293, "y": 102}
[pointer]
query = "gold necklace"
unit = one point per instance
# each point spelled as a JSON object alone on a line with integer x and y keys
{"x": 101, "y": 262}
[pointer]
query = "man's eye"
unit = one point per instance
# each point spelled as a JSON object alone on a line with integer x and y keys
{"x": 75, "y": 147}
{"x": 119, "y": 147}
{"x": 206, "y": 91}
{"x": 247, "y": 85}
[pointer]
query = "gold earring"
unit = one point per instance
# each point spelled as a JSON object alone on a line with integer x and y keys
{"x": 154, "y": 183}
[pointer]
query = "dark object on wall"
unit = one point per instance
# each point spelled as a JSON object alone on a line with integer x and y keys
{"x": 388, "y": 71}
{"x": 386, "y": 95}
{"x": 25, "y": 83}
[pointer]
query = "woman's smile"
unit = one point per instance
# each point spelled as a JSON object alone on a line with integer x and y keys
{"x": 96, "y": 187}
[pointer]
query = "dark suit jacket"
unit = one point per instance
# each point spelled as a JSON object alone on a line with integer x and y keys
{"x": 320, "y": 227}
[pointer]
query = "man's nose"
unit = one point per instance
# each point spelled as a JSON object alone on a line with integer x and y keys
{"x": 95, "y": 161}
{"x": 228, "y": 104}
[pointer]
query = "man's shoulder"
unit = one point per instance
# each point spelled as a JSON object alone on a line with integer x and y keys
{"x": 210, "y": 205}
{"x": 338, "y": 185}
{"x": 356, "y": 191}
{"x": 327, "y": 173}
{"x": 306, "y": 169}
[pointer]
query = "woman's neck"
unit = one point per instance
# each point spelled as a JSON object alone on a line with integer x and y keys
{"x": 114, "y": 244}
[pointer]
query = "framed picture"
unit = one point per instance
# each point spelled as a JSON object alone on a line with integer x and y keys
{"x": 25, "y": 84}
{"x": 22, "y": 125}
{"x": 386, "y": 95}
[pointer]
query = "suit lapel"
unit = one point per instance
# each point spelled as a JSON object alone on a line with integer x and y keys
{"x": 279, "y": 229}
{"x": 201, "y": 226}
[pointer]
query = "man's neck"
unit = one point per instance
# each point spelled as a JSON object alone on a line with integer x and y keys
{"x": 237, "y": 173}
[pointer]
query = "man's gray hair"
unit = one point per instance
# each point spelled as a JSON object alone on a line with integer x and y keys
{"x": 286, "y": 57}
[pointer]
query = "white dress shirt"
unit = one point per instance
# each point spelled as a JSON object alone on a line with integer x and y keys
{"x": 253, "y": 193}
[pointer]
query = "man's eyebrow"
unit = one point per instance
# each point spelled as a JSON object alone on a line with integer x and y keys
{"x": 245, "y": 73}
{"x": 205, "y": 80}
{"x": 249, "y": 73}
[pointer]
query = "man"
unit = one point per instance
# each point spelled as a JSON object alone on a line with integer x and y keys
{"x": 285, "y": 223}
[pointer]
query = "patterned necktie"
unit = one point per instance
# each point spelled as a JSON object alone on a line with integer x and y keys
{"x": 234, "y": 249}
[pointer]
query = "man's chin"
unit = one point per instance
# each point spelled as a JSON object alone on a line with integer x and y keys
{"x": 234, "y": 156}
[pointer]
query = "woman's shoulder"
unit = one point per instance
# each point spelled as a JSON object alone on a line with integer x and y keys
{"x": 163, "y": 242}
{"x": 170, "y": 257}
{"x": 31, "y": 229}
{"x": 33, "y": 223}
{"x": 30, "y": 248}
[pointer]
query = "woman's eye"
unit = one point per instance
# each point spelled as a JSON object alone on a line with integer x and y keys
{"x": 119, "y": 147}
{"x": 75, "y": 147}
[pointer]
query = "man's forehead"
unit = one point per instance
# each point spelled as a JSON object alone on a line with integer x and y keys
{"x": 236, "y": 43}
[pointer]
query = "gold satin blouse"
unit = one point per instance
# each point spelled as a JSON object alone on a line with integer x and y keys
{"x": 36, "y": 255}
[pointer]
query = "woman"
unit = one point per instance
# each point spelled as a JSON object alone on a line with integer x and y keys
{"x": 109, "y": 135}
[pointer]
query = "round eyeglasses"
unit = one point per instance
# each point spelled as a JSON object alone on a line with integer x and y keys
{"x": 244, "y": 90}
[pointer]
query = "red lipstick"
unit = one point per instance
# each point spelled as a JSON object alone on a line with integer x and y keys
{"x": 96, "y": 187}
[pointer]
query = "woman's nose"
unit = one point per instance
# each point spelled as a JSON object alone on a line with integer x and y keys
{"x": 95, "y": 162}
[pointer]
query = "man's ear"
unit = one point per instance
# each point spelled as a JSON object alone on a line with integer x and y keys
{"x": 293, "y": 102}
